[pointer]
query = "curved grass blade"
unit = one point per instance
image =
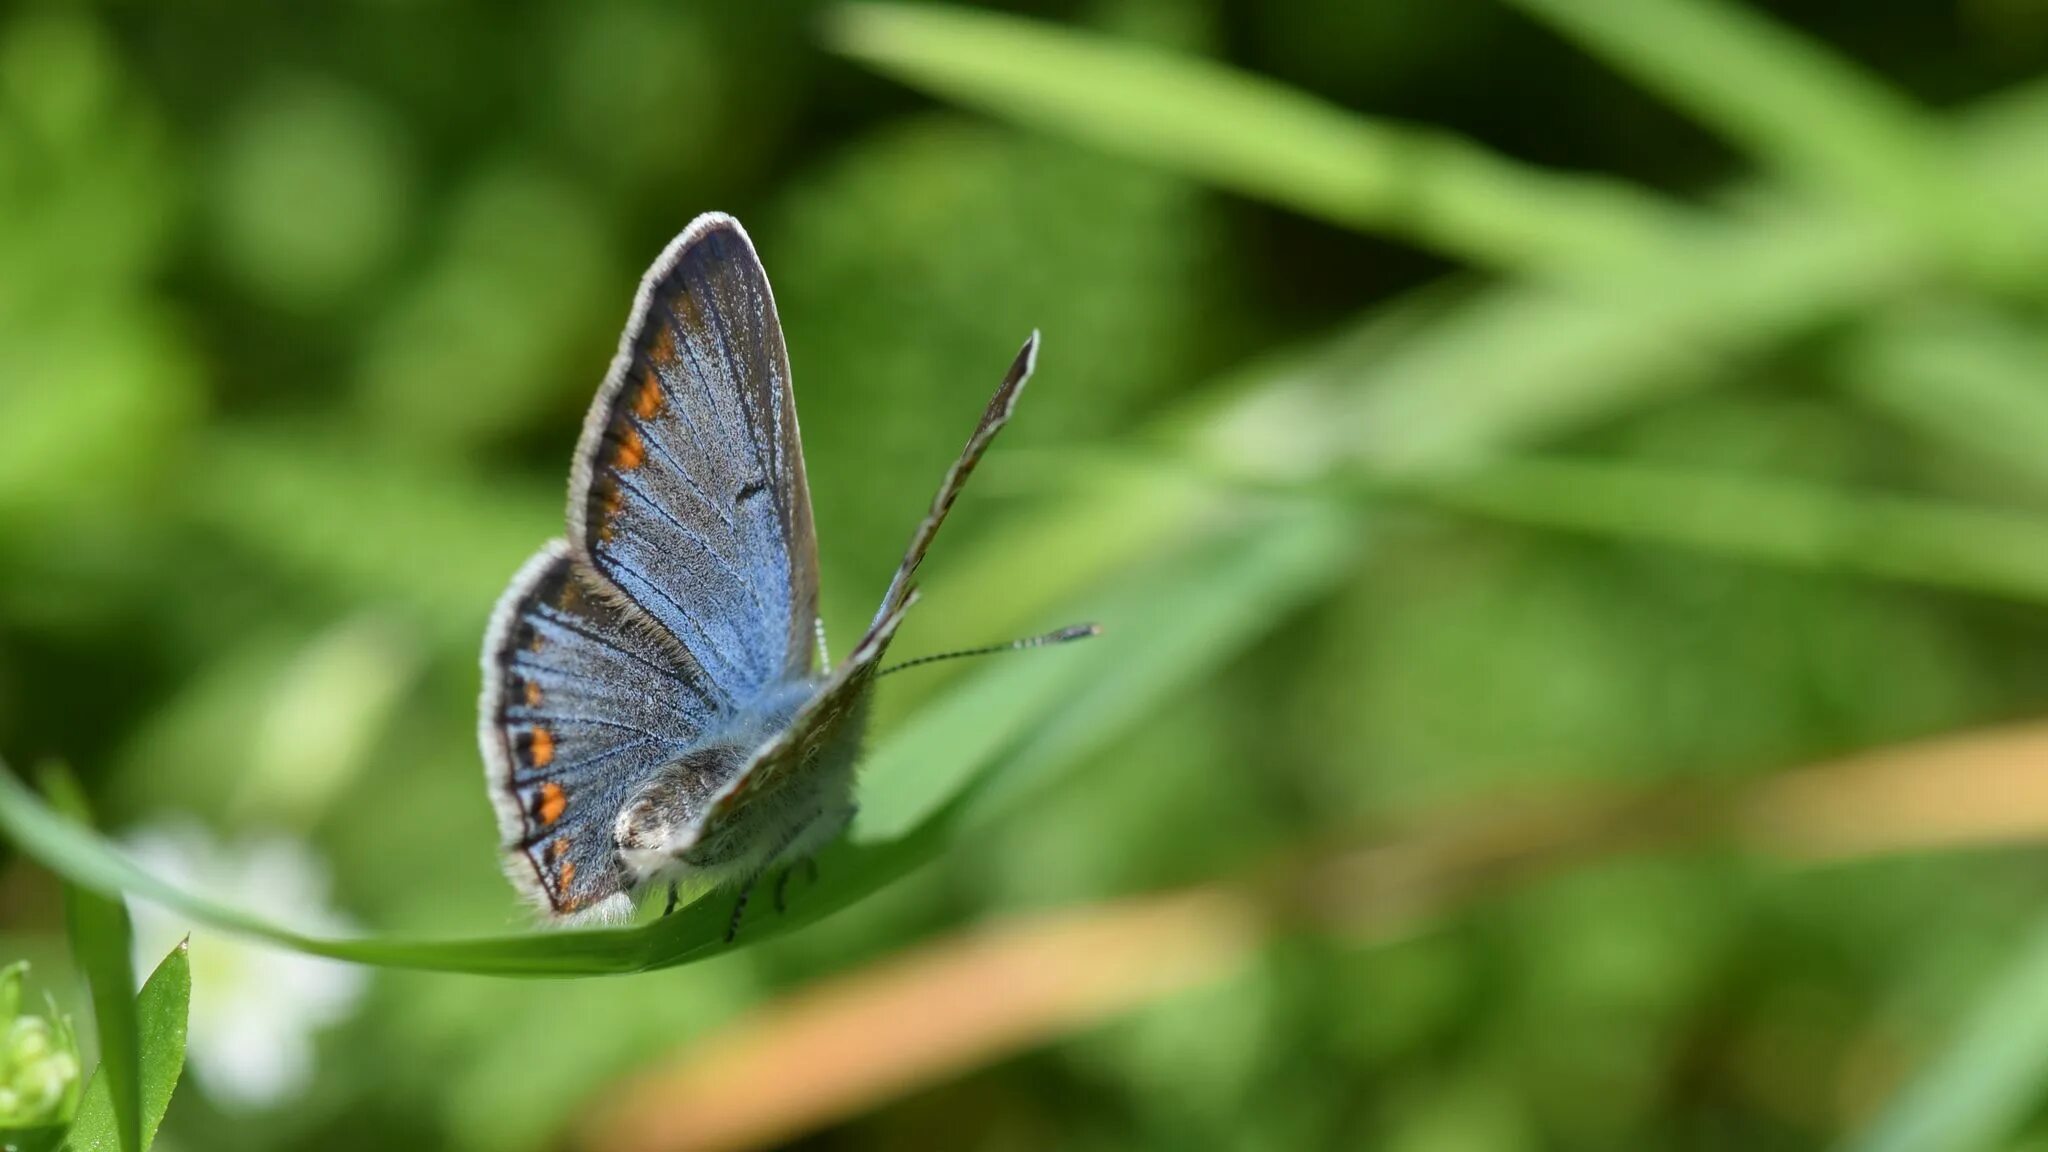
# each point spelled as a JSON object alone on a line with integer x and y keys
{"x": 1988, "y": 1081}
{"x": 161, "y": 1012}
{"x": 102, "y": 944}
{"x": 1705, "y": 290}
{"x": 1186, "y": 621}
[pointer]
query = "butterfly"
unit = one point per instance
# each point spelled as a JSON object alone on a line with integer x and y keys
{"x": 657, "y": 703}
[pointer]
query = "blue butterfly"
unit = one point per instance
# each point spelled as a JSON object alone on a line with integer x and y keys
{"x": 651, "y": 707}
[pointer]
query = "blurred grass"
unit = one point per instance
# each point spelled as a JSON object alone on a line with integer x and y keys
{"x": 1258, "y": 138}
{"x": 330, "y": 320}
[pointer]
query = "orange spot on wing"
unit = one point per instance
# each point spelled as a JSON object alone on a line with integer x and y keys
{"x": 531, "y": 691}
{"x": 558, "y": 848}
{"x": 648, "y": 401}
{"x": 610, "y": 499}
{"x": 632, "y": 451}
{"x": 540, "y": 747}
{"x": 566, "y": 876}
{"x": 662, "y": 352}
{"x": 553, "y": 802}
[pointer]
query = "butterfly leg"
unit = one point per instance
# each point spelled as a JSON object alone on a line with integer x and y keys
{"x": 670, "y": 909}
{"x": 739, "y": 909}
{"x": 808, "y": 866}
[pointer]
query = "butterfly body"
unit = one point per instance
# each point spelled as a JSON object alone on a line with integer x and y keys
{"x": 650, "y": 709}
{"x": 789, "y": 819}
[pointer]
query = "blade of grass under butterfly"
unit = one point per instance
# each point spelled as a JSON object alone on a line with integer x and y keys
{"x": 1987, "y": 1081}
{"x": 161, "y": 1012}
{"x": 88, "y": 861}
{"x": 698, "y": 931}
{"x": 102, "y": 946}
{"x": 1212, "y": 602}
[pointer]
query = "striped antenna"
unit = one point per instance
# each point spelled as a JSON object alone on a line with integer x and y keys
{"x": 1061, "y": 636}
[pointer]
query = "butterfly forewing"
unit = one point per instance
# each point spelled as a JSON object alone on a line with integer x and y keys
{"x": 689, "y": 493}
{"x": 834, "y": 713}
{"x": 583, "y": 697}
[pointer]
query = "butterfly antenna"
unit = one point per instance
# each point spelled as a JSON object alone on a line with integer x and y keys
{"x": 1061, "y": 636}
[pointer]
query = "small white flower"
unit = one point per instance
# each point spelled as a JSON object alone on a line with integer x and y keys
{"x": 255, "y": 1008}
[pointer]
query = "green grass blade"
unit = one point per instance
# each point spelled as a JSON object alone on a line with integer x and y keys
{"x": 1261, "y": 139}
{"x": 1794, "y": 104}
{"x": 102, "y": 944}
{"x": 1785, "y": 522}
{"x": 1518, "y": 363}
{"x": 161, "y": 1010}
{"x": 1987, "y": 1082}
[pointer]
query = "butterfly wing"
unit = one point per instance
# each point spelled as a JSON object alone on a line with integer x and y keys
{"x": 1000, "y": 407}
{"x": 688, "y": 493}
{"x": 584, "y": 697}
{"x": 834, "y": 712}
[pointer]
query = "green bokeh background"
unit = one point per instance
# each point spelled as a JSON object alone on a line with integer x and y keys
{"x": 1680, "y": 370}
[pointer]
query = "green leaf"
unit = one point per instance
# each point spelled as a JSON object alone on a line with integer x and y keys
{"x": 1787, "y": 522}
{"x": 102, "y": 944}
{"x": 1179, "y": 624}
{"x": 161, "y": 1011}
{"x": 1262, "y": 139}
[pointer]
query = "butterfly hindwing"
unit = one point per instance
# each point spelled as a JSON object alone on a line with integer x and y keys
{"x": 583, "y": 698}
{"x": 688, "y": 493}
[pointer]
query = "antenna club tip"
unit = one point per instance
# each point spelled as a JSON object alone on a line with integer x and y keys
{"x": 1081, "y": 631}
